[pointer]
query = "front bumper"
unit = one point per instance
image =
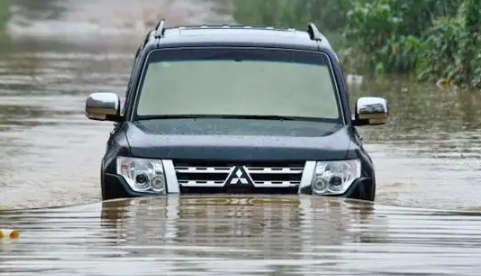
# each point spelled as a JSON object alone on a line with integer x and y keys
{"x": 114, "y": 186}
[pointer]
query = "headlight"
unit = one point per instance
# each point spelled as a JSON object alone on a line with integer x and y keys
{"x": 335, "y": 177}
{"x": 142, "y": 175}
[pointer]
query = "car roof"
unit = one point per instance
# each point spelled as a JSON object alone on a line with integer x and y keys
{"x": 240, "y": 35}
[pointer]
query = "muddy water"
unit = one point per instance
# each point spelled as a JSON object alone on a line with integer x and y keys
{"x": 57, "y": 55}
{"x": 427, "y": 156}
{"x": 240, "y": 236}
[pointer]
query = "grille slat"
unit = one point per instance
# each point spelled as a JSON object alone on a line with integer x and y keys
{"x": 203, "y": 169}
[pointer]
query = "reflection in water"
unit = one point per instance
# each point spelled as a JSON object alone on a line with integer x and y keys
{"x": 240, "y": 236}
{"x": 267, "y": 224}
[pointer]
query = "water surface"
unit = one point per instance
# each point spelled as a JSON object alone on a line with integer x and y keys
{"x": 428, "y": 155}
{"x": 241, "y": 236}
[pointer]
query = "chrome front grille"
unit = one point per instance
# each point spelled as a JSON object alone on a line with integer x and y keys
{"x": 259, "y": 175}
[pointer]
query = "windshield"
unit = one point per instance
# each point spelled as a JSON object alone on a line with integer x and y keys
{"x": 244, "y": 83}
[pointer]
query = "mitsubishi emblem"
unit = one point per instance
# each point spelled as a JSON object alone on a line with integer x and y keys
{"x": 239, "y": 176}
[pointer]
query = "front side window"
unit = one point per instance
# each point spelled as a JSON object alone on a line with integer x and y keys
{"x": 238, "y": 82}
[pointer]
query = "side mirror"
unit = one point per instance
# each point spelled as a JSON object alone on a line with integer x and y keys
{"x": 103, "y": 107}
{"x": 371, "y": 111}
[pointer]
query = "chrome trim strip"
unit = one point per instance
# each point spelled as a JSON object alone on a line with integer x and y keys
{"x": 203, "y": 169}
{"x": 257, "y": 184}
{"x": 307, "y": 174}
{"x": 194, "y": 183}
{"x": 170, "y": 177}
{"x": 257, "y": 170}
{"x": 277, "y": 183}
{"x": 279, "y": 170}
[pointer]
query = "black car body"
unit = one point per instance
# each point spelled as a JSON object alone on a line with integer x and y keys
{"x": 236, "y": 109}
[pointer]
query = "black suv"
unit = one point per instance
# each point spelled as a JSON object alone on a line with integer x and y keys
{"x": 236, "y": 109}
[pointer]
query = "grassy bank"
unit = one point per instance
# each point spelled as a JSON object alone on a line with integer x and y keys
{"x": 428, "y": 40}
{"x": 4, "y": 13}
{"x": 327, "y": 14}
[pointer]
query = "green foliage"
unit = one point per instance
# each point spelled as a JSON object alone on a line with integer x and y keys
{"x": 429, "y": 39}
{"x": 440, "y": 55}
{"x": 433, "y": 39}
{"x": 328, "y": 15}
{"x": 471, "y": 42}
{"x": 377, "y": 33}
{"x": 4, "y": 13}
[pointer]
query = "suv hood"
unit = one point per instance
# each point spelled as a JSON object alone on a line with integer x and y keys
{"x": 237, "y": 140}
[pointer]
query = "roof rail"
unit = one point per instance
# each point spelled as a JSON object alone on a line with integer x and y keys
{"x": 313, "y": 32}
{"x": 159, "y": 29}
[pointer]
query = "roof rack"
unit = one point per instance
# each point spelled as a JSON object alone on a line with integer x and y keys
{"x": 232, "y": 26}
{"x": 159, "y": 29}
{"x": 313, "y": 32}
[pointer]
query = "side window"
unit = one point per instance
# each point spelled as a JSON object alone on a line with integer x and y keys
{"x": 131, "y": 79}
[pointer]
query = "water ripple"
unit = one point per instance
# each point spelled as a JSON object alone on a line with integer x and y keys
{"x": 191, "y": 235}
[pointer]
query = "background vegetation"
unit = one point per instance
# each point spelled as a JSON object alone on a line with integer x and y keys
{"x": 429, "y": 40}
{"x": 4, "y": 13}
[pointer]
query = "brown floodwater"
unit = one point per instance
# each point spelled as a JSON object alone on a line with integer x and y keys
{"x": 240, "y": 236}
{"x": 428, "y": 155}
{"x": 427, "y": 159}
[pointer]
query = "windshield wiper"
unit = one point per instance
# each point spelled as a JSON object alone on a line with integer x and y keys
{"x": 245, "y": 117}
{"x": 179, "y": 116}
{"x": 261, "y": 117}
{"x": 242, "y": 117}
